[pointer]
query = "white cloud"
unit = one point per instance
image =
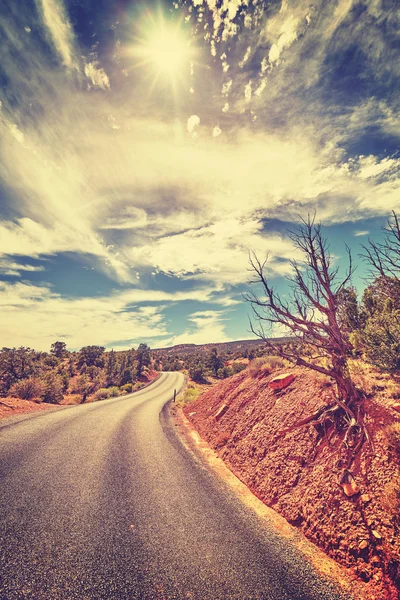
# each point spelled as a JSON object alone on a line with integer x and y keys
{"x": 56, "y": 20}
{"x": 218, "y": 252}
{"x": 274, "y": 53}
{"x": 216, "y": 131}
{"x": 35, "y": 316}
{"x": 97, "y": 76}
{"x": 247, "y": 91}
{"x": 361, "y": 233}
{"x": 193, "y": 123}
{"x": 208, "y": 327}
{"x": 10, "y": 267}
{"x": 245, "y": 57}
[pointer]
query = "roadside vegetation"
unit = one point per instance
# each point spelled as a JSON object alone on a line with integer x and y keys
{"x": 63, "y": 377}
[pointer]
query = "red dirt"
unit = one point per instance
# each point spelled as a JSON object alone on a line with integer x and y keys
{"x": 297, "y": 475}
{"x": 9, "y": 407}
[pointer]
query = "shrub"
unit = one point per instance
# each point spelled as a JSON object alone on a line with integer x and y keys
{"x": 27, "y": 389}
{"x": 101, "y": 394}
{"x": 237, "y": 367}
{"x": 266, "y": 365}
{"x": 381, "y": 339}
{"x": 113, "y": 391}
{"x": 53, "y": 389}
{"x": 137, "y": 386}
{"x": 198, "y": 372}
{"x": 190, "y": 394}
{"x": 256, "y": 367}
{"x": 275, "y": 362}
{"x": 127, "y": 387}
{"x": 224, "y": 372}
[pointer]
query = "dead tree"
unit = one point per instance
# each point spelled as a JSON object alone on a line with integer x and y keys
{"x": 310, "y": 314}
{"x": 384, "y": 257}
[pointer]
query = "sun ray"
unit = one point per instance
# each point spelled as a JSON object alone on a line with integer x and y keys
{"x": 166, "y": 50}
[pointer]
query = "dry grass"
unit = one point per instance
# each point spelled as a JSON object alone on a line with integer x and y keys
{"x": 71, "y": 399}
{"x": 390, "y": 496}
{"x": 392, "y": 433}
{"x": 266, "y": 365}
{"x": 392, "y": 389}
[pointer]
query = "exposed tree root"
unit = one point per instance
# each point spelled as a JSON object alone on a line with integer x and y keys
{"x": 339, "y": 418}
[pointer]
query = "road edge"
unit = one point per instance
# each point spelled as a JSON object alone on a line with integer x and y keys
{"x": 327, "y": 567}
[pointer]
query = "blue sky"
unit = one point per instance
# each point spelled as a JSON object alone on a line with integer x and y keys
{"x": 147, "y": 147}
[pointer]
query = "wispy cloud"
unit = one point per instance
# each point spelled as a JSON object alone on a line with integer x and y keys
{"x": 10, "y": 267}
{"x": 206, "y": 327}
{"x": 36, "y": 316}
{"x": 59, "y": 28}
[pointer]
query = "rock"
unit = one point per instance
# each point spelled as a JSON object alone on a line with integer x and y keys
{"x": 376, "y": 534}
{"x": 362, "y": 545}
{"x": 281, "y": 381}
{"x": 221, "y": 411}
{"x": 365, "y": 498}
{"x": 349, "y": 485}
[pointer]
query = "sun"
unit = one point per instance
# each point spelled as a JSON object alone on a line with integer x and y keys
{"x": 165, "y": 49}
{"x": 168, "y": 51}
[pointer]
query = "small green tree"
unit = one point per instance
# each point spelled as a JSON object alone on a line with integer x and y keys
{"x": 127, "y": 376}
{"x": 59, "y": 349}
{"x": 379, "y": 338}
{"x": 16, "y": 364}
{"x": 224, "y": 372}
{"x": 143, "y": 358}
{"x": 91, "y": 356}
{"x": 198, "y": 373}
{"x": 215, "y": 361}
{"x": 53, "y": 388}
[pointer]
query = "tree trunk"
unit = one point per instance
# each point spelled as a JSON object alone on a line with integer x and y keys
{"x": 347, "y": 391}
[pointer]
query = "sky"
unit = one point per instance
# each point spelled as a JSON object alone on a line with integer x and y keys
{"x": 147, "y": 147}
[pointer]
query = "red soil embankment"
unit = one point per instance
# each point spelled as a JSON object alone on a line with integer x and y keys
{"x": 9, "y": 407}
{"x": 297, "y": 473}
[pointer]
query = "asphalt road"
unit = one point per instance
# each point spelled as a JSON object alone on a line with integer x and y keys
{"x": 102, "y": 501}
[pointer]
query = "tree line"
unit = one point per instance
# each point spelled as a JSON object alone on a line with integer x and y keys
{"x": 49, "y": 376}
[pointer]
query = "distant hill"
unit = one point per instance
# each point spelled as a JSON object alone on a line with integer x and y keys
{"x": 222, "y": 347}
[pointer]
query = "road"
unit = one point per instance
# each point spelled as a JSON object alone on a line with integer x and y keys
{"x": 103, "y": 501}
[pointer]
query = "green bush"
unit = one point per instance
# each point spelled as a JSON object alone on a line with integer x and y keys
{"x": 101, "y": 394}
{"x": 198, "y": 372}
{"x": 113, "y": 391}
{"x": 381, "y": 340}
{"x": 224, "y": 372}
{"x": 127, "y": 387}
{"x": 190, "y": 394}
{"x": 237, "y": 367}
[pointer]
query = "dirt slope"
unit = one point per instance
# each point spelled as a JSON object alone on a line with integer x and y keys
{"x": 10, "y": 407}
{"x": 297, "y": 475}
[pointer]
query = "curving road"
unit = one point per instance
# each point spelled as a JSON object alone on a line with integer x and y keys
{"x": 102, "y": 501}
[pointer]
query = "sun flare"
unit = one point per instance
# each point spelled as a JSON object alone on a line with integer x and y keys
{"x": 166, "y": 50}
